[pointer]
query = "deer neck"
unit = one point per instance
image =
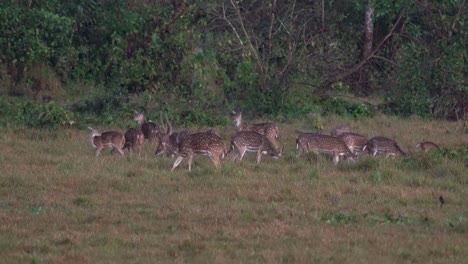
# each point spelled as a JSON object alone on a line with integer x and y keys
{"x": 140, "y": 122}
{"x": 91, "y": 140}
{"x": 238, "y": 124}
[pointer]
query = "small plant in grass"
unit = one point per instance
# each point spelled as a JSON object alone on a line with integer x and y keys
{"x": 342, "y": 218}
{"x": 376, "y": 177}
{"x": 450, "y": 153}
{"x": 418, "y": 161}
{"x": 83, "y": 202}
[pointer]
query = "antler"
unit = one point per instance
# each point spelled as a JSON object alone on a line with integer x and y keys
{"x": 169, "y": 126}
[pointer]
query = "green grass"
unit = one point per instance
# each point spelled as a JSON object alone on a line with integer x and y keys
{"x": 59, "y": 203}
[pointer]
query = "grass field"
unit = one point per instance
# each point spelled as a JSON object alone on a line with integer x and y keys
{"x": 59, "y": 203}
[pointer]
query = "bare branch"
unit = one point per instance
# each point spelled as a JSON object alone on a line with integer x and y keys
{"x": 231, "y": 25}
{"x": 357, "y": 66}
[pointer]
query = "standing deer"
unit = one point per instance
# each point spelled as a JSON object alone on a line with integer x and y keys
{"x": 355, "y": 142}
{"x": 385, "y": 146}
{"x": 169, "y": 142}
{"x": 112, "y": 139}
{"x": 270, "y": 130}
{"x": 205, "y": 143}
{"x": 323, "y": 144}
{"x": 249, "y": 141}
{"x": 134, "y": 140}
{"x": 427, "y": 146}
{"x": 149, "y": 129}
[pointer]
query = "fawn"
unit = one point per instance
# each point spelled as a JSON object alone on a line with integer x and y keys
{"x": 427, "y": 146}
{"x": 112, "y": 139}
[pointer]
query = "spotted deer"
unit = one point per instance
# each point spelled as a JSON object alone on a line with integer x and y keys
{"x": 383, "y": 146}
{"x": 249, "y": 141}
{"x": 338, "y": 130}
{"x": 355, "y": 142}
{"x": 323, "y": 144}
{"x": 427, "y": 146}
{"x": 134, "y": 140}
{"x": 270, "y": 130}
{"x": 169, "y": 141}
{"x": 111, "y": 139}
{"x": 204, "y": 143}
{"x": 149, "y": 129}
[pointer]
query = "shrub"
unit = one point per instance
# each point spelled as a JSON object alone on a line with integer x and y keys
{"x": 346, "y": 109}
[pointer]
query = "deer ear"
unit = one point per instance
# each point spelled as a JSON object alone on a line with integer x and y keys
{"x": 90, "y": 128}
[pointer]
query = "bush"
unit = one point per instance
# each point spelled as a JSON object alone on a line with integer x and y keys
{"x": 346, "y": 109}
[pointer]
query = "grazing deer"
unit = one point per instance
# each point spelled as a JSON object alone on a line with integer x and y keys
{"x": 323, "y": 144}
{"x": 338, "y": 130}
{"x": 134, "y": 140}
{"x": 427, "y": 146}
{"x": 169, "y": 142}
{"x": 205, "y": 143}
{"x": 355, "y": 142}
{"x": 112, "y": 139}
{"x": 385, "y": 146}
{"x": 245, "y": 141}
{"x": 149, "y": 129}
{"x": 270, "y": 130}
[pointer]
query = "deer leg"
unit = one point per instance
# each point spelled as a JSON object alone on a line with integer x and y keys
{"x": 259, "y": 155}
{"x": 177, "y": 162}
{"x": 98, "y": 150}
{"x": 119, "y": 150}
{"x": 242, "y": 153}
{"x": 215, "y": 159}
{"x": 299, "y": 150}
{"x": 190, "y": 158}
{"x": 336, "y": 159}
{"x": 236, "y": 152}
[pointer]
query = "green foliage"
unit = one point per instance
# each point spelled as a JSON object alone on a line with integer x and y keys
{"x": 53, "y": 115}
{"x": 460, "y": 154}
{"x": 264, "y": 62}
{"x": 50, "y": 115}
{"x": 346, "y": 109}
{"x": 32, "y": 34}
{"x": 107, "y": 104}
{"x": 341, "y": 218}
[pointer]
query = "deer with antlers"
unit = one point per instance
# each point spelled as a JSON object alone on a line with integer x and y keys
{"x": 169, "y": 142}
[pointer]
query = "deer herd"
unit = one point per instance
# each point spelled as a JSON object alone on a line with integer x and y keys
{"x": 261, "y": 138}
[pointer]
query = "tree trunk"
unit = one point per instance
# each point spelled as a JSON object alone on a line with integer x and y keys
{"x": 362, "y": 85}
{"x": 369, "y": 30}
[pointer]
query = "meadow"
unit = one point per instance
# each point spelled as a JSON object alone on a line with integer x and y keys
{"x": 59, "y": 203}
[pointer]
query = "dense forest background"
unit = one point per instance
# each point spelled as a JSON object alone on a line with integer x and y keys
{"x": 99, "y": 60}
